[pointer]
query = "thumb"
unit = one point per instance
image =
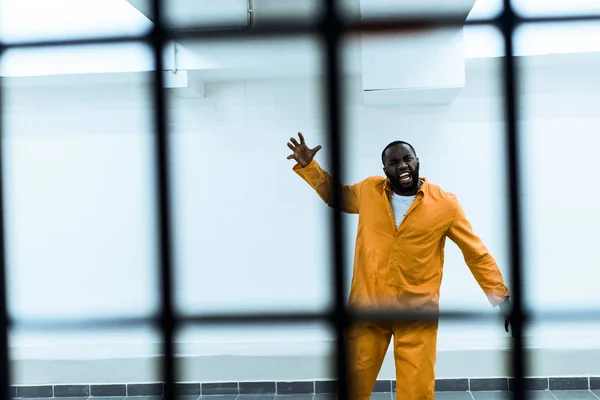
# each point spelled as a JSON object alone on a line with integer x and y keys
{"x": 316, "y": 149}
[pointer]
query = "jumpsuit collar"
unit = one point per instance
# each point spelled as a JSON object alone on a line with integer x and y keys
{"x": 387, "y": 187}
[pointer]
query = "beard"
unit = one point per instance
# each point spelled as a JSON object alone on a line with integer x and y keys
{"x": 405, "y": 187}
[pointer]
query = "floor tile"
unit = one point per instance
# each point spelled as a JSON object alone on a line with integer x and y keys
{"x": 107, "y": 398}
{"x": 36, "y": 398}
{"x": 499, "y": 395}
{"x": 256, "y": 397}
{"x": 574, "y": 395}
{"x": 71, "y": 398}
{"x": 324, "y": 396}
{"x": 491, "y": 395}
{"x": 143, "y": 398}
{"x": 382, "y": 396}
{"x": 597, "y": 393}
{"x": 294, "y": 397}
{"x": 540, "y": 395}
{"x": 374, "y": 396}
{"x": 218, "y": 397}
{"x": 453, "y": 396}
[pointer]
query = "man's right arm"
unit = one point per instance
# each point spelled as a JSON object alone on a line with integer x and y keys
{"x": 322, "y": 183}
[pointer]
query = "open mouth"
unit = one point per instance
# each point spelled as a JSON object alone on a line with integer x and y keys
{"x": 405, "y": 177}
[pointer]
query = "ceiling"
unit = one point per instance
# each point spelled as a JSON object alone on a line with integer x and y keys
{"x": 240, "y": 59}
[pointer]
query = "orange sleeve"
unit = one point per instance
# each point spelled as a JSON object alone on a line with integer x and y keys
{"x": 322, "y": 183}
{"x": 478, "y": 258}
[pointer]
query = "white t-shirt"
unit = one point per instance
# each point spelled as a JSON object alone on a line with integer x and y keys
{"x": 400, "y": 205}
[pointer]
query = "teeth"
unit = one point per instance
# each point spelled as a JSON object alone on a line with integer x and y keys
{"x": 404, "y": 175}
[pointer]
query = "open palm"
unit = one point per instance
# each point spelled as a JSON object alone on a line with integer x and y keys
{"x": 302, "y": 154}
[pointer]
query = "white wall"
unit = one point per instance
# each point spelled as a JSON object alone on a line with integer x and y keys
{"x": 252, "y": 236}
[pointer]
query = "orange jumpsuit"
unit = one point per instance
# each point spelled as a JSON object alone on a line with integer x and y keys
{"x": 402, "y": 269}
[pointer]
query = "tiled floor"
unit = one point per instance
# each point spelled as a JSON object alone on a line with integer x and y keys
{"x": 535, "y": 395}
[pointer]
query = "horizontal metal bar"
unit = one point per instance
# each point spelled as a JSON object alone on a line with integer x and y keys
{"x": 75, "y": 324}
{"x": 292, "y": 28}
{"x": 254, "y": 318}
{"x": 79, "y": 41}
{"x": 590, "y": 315}
{"x": 134, "y": 322}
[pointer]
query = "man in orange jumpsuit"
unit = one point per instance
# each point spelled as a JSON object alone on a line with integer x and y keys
{"x": 403, "y": 223}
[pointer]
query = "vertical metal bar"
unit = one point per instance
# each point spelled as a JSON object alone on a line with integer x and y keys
{"x": 5, "y": 377}
{"x": 332, "y": 34}
{"x": 509, "y": 20}
{"x": 167, "y": 313}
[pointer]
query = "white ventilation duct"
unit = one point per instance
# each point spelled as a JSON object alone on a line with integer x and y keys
{"x": 422, "y": 67}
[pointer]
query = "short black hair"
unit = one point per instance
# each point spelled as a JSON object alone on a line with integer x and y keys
{"x": 396, "y": 143}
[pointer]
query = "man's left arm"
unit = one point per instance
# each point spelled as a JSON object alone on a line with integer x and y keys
{"x": 478, "y": 258}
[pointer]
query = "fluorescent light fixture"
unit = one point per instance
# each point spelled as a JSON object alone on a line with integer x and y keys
{"x": 547, "y": 8}
{"x": 76, "y": 60}
{"x": 559, "y": 38}
{"x": 27, "y": 20}
{"x": 534, "y": 39}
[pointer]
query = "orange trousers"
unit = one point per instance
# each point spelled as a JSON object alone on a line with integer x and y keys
{"x": 414, "y": 347}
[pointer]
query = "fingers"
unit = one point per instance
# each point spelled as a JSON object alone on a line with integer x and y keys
{"x": 291, "y": 147}
{"x": 291, "y": 156}
{"x": 301, "y": 138}
{"x": 294, "y": 141}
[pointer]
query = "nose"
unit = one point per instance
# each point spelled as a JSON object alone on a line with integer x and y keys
{"x": 401, "y": 165}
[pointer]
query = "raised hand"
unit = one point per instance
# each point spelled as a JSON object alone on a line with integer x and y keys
{"x": 302, "y": 154}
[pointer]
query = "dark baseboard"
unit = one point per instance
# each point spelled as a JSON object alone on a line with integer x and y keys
{"x": 300, "y": 387}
